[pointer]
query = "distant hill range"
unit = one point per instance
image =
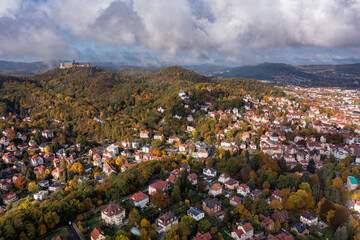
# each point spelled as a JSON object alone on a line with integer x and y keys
{"x": 346, "y": 75}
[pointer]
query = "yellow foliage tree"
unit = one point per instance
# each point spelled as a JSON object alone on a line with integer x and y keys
{"x": 276, "y": 205}
{"x": 78, "y": 168}
{"x": 338, "y": 183}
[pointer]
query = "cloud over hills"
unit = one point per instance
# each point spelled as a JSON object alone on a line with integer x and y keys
{"x": 231, "y": 31}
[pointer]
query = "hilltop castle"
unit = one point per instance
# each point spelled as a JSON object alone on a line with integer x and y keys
{"x": 73, "y": 64}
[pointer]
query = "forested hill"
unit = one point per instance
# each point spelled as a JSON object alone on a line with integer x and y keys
{"x": 101, "y": 104}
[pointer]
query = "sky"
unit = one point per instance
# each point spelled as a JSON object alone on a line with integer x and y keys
{"x": 153, "y": 32}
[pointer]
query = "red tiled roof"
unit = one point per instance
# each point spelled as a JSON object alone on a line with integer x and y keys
{"x": 216, "y": 187}
{"x": 138, "y": 197}
{"x": 95, "y": 233}
{"x": 199, "y": 236}
{"x": 160, "y": 185}
{"x": 112, "y": 209}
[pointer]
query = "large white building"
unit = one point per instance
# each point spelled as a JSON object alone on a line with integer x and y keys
{"x": 113, "y": 214}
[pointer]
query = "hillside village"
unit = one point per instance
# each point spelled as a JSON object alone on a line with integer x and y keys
{"x": 279, "y": 168}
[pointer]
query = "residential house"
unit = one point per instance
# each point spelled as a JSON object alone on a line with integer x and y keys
{"x": 224, "y": 178}
{"x": 196, "y": 213}
{"x": 144, "y": 134}
{"x": 215, "y": 189}
{"x": 212, "y": 206}
{"x": 113, "y": 214}
{"x": 165, "y": 222}
{"x": 140, "y": 199}
{"x": 199, "y": 236}
{"x": 108, "y": 169}
{"x": 47, "y": 134}
{"x": 6, "y": 185}
{"x": 97, "y": 234}
{"x": 210, "y": 172}
{"x": 9, "y": 198}
{"x": 36, "y": 161}
{"x": 231, "y": 184}
{"x": 247, "y": 228}
{"x": 44, "y": 183}
{"x": 55, "y": 186}
{"x": 255, "y": 194}
{"x": 235, "y": 201}
{"x": 281, "y": 235}
{"x": 193, "y": 178}
{"x": 146, "y": 148}
{"x": 97, "y": 160}
{"x": 308, "y": 218}
{"x": 238, "y": 234}
{"x": 9, "y": 158}
{"x": 41, "y": 195}
{"x": 243, "y": 189}
{"x": 351, "y": 183}
{"x": 57, "y": 172}
{"x": 159, "y": 186}
{"x": 266, "y": 223}
{"x": 56, "y": 162}
{"x": 184, "y": 167}
{"x": 300, "y": 229}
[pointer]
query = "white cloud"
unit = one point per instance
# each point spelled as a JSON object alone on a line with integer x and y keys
{"x": 231, "y": 30}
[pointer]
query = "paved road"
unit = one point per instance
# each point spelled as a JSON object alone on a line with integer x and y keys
{"x": 73, "y": 234}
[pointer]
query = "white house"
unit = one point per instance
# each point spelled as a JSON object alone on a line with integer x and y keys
{"x": 238, "y": 234}
{"x": 309, "y": 219}
{"x": 357, "y": 206}
{"x": 159, "y": 186}
{"x": 224, "y": 178}
{"x": 210, "y": 172}
{"x": 113, "y": 214}
{"x": 215, "y": 189}
{"x": 146, "y": 148}
{"x": 41, "y": 195}
{"x": 140, "y": 199}
{"x": 243, "y": 189}
{"x": 196, "y": 213}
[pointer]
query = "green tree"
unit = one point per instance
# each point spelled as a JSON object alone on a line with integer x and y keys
{"x": 134, "y": 215}
{"x": 31, "y": 231}
{"x": 51, "y": 219}
{"x": 204, "y": 226}
{"x": 176, "y": 194}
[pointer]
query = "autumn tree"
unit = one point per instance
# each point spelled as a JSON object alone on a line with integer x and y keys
{"x": 78, "y": 168}
{"x": 147, "y": 230}
{"x": 244, "y": 214}
{"x": 42, "y": 229}
{"x": 275, "y": 204}
{"x": 160, "y": 199}
{"x": 20, "y": 183}
{"x": 338, "y": 183}
{"x": 51, "y": 219}
{"x": 324, "y": 206}
{"x": 134, "y": 215}
{"x": 341, "y": 215}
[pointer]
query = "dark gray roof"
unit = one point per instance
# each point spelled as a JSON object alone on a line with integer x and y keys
{"x": 194, "y": 211}
{"x": 211, "y": 203}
